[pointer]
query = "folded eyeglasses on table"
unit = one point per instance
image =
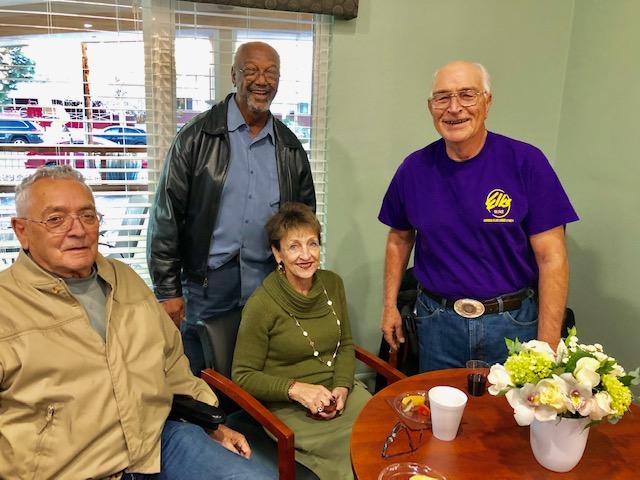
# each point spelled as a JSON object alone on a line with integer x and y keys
{"x": 393, "y": 434}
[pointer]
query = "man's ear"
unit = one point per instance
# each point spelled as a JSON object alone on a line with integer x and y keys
{"x": 233, "y": 75}
{"x": 19, "y": 228}
{"x": 489, "y": 101}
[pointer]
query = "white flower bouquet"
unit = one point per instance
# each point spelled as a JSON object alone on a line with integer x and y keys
{"x": 575, "y": 381}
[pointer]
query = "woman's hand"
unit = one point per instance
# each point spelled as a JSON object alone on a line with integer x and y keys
{"x": 336, "y": 408}
{"x": 231, "y": 440}
{"x": 313, "y": 397}
{"x": 340, "y": 394}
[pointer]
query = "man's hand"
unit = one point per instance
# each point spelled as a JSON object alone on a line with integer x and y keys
{"x": 392, "y": 327}
{"x": 175, "y": 309}
{"x": 231, "y": 440}
{"x": 311, "y": 396}
{"x": 399, "y": 246}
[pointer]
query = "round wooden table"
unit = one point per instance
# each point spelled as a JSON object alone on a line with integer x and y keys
{"x": 489, "y": 445}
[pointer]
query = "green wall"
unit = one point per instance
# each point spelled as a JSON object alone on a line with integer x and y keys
{"x": 565, "y": 78}
{"x": 597, "y": 146}
{"x": 381, "y": 70}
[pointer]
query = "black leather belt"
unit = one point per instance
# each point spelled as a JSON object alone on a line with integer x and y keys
{"x": 471, "y": 308}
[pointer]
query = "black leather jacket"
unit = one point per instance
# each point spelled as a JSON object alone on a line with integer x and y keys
{"x": 186, "y": 203}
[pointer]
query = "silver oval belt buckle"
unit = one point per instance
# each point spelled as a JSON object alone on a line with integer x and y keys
{"x": 468, "y": 307}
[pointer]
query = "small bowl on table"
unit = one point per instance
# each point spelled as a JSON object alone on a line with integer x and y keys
{"x": 412, "y": 408}
{"x": 409, "y": 471}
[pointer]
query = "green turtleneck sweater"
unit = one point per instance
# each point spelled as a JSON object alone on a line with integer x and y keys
{"x": 271, "y": 350}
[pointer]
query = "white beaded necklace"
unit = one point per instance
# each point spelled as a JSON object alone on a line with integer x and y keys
{"x": 316, "y": 354}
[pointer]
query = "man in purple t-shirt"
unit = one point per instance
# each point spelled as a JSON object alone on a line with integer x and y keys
{"x": 486, "y": 215}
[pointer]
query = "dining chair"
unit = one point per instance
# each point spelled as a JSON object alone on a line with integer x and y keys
{"x": 253, "y": 419}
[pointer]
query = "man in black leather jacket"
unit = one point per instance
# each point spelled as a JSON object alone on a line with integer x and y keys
{"x": 227, "y": 171}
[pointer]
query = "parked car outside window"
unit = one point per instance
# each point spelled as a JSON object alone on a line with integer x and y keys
{"x": 124, "y": 135}
{"x": 15, "y": 130}
{"x": 39, "y": 158}
{"x": 129, "y": 162}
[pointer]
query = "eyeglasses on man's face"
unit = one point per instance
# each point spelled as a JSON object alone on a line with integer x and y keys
{"x": 62, "y": 222}
{"x": 466, "y": 98}
{"x": 271, "y": 75}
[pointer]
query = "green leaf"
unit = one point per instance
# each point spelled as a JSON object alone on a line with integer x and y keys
{"x": 513, "y": 346}
{"x": 606, "y": 367}
{"x": 626, "y": 380}
{"x": 631, "y": 378}
{"x": 572, "y": 332}
{"x": 502, "y": 392}
{"x": 573, "y": 359}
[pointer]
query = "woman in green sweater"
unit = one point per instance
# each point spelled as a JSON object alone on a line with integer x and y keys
{"x": 294, "y": 350}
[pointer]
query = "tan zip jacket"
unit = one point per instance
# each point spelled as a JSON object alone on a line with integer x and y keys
{"x": 71, "y": 406}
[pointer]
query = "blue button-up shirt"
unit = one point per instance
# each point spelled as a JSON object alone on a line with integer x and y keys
{"x": 250, "y": 196}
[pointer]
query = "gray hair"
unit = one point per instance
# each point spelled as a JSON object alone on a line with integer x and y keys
{"x": 58, "y": 172}
{"x": 484, "y": 75}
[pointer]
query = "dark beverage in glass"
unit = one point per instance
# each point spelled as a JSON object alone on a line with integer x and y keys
{"x": 476, "y": 383}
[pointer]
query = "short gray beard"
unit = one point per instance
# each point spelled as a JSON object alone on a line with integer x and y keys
{"x": 258, "y": 107}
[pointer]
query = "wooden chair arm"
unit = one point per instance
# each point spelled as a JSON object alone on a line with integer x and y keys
{"x": 380, "y": 366}
{"x": 275, "y": 426}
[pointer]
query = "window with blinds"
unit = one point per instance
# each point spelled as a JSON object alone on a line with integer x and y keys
{"x": 104, "y": 86}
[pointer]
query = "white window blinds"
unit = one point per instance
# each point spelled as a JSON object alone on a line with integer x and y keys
{"x": 104, "y": 86}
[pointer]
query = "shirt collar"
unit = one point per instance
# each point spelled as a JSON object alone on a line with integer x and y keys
{"x": 33, "y": 274}
{"x": 235, "y": 120}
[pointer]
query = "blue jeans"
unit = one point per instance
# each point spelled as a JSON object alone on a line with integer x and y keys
{"x": 221, "y": 295}
{"x": 448, "y": 340}
{"x": 188, "y": 453}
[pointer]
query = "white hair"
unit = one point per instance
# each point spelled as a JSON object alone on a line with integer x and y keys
{"x": 484, "y": 76}
{"x": 58, "y": 172}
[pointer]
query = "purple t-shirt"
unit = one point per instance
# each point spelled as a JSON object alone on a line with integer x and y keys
{"x": 473, "y": 219}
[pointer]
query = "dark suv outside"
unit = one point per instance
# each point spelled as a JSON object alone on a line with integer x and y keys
{"x": 15, "y": 130}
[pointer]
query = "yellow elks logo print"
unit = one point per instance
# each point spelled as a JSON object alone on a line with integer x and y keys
{"x": 498, "y": 203}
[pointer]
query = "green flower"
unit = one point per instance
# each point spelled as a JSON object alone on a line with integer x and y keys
{"x": 528, "y": 367}
{"x": 620, "y": 395}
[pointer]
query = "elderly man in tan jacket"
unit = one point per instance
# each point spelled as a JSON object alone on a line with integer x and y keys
{"x": 89, "y": 361}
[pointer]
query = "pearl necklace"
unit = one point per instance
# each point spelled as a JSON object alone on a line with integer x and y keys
{"x": 316, "y": 354}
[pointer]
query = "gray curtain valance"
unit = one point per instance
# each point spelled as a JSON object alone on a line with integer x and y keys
{"x": 345, "y": 9}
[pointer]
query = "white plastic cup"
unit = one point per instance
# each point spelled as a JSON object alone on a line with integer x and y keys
{"x": 447, "y": 405}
